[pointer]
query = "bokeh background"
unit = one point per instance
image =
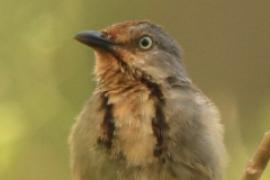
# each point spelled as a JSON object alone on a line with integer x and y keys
{"x": 46, "y": 76}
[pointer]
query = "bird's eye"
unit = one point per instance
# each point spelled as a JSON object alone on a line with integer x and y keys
{"x": 145, "y": 42}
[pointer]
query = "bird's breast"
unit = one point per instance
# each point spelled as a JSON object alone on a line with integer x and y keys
{"x": 133, "y": 136}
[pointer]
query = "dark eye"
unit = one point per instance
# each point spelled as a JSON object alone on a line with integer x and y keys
{"x": 145, "y": 42}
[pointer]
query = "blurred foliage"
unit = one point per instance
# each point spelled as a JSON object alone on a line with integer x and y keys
{"x": 45, "y": 76}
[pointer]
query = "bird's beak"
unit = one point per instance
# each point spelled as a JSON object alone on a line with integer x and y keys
{"x": 94, "y": 39}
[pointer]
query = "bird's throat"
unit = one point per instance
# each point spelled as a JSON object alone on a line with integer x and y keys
{"x": 134, "y": 124}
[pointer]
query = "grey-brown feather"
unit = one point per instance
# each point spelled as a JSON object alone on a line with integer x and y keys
{"x": 195, "y": 149}
{"x": 192, "y": 143}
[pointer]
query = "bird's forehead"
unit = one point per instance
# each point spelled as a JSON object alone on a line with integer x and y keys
{"x": 126, "y": 30}
{"x": 126, "y": 26}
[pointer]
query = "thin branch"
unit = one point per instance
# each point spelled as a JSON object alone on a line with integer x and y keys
{"x": 258, "y": 162}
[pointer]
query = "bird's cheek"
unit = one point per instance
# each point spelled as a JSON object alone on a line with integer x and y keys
{"x": 103, "y": 56}
{"x": 104, "y": 60}
{"x": 139, "y": 62}
{"x": 126, "y": 55}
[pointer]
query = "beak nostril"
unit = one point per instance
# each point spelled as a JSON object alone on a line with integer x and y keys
{"x": 105, "y": 35}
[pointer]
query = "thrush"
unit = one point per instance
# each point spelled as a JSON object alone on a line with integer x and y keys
{"x": 145, "y": 120}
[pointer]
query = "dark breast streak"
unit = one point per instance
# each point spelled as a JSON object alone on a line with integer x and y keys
{"x": 107, "y": 125}
{"x": 159, "y": 125}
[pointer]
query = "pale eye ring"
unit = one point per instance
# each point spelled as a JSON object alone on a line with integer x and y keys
{"x": 145, "y": 42}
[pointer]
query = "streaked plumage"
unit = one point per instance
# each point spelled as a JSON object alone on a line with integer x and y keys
{"x": 145, "y": 120}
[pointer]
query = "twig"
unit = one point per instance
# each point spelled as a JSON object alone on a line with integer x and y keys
{"x": 258, "y": 162}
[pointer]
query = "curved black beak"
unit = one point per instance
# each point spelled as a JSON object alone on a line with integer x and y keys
{"x": 94, "y": 39}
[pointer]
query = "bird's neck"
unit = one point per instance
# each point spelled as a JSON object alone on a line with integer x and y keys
{"x": 118, "y": 79}
{"x": 135, "y": 107}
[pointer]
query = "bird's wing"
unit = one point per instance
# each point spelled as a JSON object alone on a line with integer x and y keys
{"x": 195, "y": 134}
{"x": 87, "y": 161}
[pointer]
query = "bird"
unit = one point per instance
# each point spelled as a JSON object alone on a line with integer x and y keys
{"x": 145, "y": 120}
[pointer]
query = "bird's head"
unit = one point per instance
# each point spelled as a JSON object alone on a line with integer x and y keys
{"x": 136, "y": 47}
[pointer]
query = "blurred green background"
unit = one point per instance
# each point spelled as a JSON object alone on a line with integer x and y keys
{"x": 46, "y": 76}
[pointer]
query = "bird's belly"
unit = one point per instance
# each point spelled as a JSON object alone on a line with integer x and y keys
{"x": 136, "y": 145}
{"x": 134, "y": 137}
